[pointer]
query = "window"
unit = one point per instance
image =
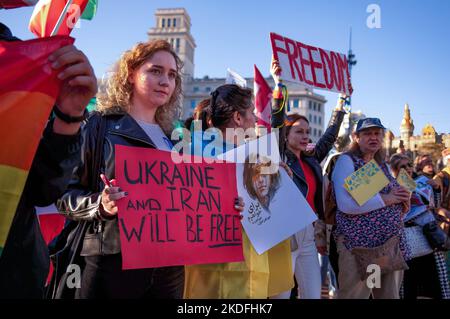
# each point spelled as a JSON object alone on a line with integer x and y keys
{"x": 310, "y": 105}
{"x": 320, "y": 132}
{"x": 193, "y": 104}
{"x": 315, "y": 104}
{"x": 174, "y": 22}
{"x": 320, "y": 120}
{"x": 310, "y": 117}
{"x": 196, "y": 89}
{"x": 315, "y": 119}
{"x": 315, "y": 132}
{"x": 208, "y": 89}
{"x": 168, "y": 23}
{"x": 289, "y": 106}
{"x": 295, "y": 103}
{"x": 318, "y": 107}
{"x": 163, "y": 23}
{"x": 177, "y": 48}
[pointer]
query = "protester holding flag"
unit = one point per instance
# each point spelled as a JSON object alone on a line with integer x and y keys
{"x": 24, "y": 261}
{"x": 305, "y": 164}
{"x": 259, "y": 276}
{"x": 139, "y": 108}
{"x": 427, "y": 273}
{"x": 367, "y": 232}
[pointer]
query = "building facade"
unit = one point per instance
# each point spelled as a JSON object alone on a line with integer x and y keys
{"x": 428, "y": 142}
{"x": 174, "y": 25}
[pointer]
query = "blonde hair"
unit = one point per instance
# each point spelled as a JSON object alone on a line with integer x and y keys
{"x": 116, "y": 97}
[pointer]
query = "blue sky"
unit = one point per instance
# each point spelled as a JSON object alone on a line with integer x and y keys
{"x": 406, "y": 60}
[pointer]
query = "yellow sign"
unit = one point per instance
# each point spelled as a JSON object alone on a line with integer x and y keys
{"x": 366, "y": 182}
{"x": 406, "y": 181}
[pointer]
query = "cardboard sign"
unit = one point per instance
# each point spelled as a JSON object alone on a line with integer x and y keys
{"x": 366, "y": 182}
{"x": 275, "y": 209}
{"x": 406, "y": 181}
{"x": 176, "y": 214}
{"x": 311, "y": 66}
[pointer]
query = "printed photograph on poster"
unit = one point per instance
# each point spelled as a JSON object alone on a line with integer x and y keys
{"x": 275, "y": 209}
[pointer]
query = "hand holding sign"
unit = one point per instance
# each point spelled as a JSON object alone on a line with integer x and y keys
{"x": 366, "y": 182}
{"x": 111, "y": 193}
{"x": 406, "y": 181}
{"x": 275, "y": 70}
{"x": 176, "y": 214}
{"x": 312, "y": 66}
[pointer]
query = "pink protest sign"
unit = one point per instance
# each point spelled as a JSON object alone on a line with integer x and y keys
{"x": 176, "y": 214}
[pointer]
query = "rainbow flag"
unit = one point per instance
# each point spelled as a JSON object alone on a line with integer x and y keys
{"x": 28, "y": 90}
{"x": 12, "y": 4}
{"x": 59, "y": 17}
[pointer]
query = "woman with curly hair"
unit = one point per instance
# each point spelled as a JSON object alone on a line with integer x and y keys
{"x": 139, "y": 108}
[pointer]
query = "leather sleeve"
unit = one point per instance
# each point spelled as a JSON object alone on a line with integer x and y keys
{"x": 325, "y": 144}
{"x": 79, "y": 202}
{"x": 56, "y": 158}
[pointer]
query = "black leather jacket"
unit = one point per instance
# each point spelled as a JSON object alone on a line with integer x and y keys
{"x": 80, "y": 202}
{"x": 313, "y": 159}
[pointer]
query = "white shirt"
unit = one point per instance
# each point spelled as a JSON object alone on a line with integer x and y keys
{"x": 156, "y": 134}
{"x": 344, "y": 167}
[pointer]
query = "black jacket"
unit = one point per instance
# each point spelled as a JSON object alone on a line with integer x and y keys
{"x": 24, "y": 263}
{"x": 314, "y": 159}
{"x": 79, "y": 202}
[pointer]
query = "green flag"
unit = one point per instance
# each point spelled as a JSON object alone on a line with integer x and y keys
{"x": 90, "y": 10}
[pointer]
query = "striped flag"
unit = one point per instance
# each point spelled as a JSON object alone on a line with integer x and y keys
{"x": 12, "y": 4}
{"x": 57, "y": 17}
{"x": 90, "y": 10}
{"x": 235, "y": 78}
{"x": 28, "y": 90}
{"x": 51, "y": 223}
{"x": 263, "y": 95}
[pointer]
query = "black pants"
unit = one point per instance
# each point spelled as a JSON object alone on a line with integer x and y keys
{"x": 421, "y": 279}
{"x": 103, "y": 277}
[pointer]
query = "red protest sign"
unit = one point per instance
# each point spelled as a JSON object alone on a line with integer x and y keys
{"x": 313, "y": 66}
{"x": 176, "y": 214}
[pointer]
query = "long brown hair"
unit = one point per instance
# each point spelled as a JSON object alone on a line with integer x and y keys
{"x": 289, "y": 122}
{"x": 118, "y": 93}
{"x": 253, "y": 167}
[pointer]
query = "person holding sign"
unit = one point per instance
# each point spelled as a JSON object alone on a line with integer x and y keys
{"x": 259, "y": 276}
{"x": 364, "y": 233}
{"x": 139, "y": 108}
{"x": 305, "y": 164}
{"x": 427, "y": 267}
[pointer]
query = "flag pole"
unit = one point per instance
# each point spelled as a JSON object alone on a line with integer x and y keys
{"x": 61, "y": 18}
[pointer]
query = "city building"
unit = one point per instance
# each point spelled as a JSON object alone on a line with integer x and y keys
{"x": 174, "y": 25}
{"x": 428, "y": 142}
